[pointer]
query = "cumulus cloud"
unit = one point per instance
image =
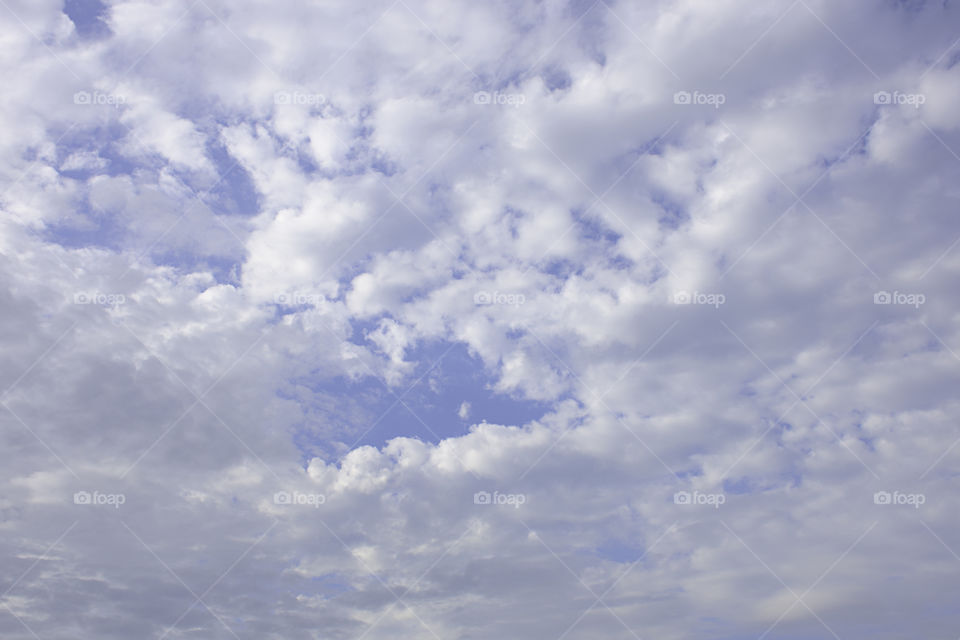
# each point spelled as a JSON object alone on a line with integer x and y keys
{"x": 550, "y": 320}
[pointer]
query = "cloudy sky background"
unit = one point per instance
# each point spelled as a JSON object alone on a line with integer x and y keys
{"x": 299, "y": 284}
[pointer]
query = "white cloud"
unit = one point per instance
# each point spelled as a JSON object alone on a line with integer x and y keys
{"x": 198, "y": 358}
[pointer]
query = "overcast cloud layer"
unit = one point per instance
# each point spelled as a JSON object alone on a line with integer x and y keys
{"x": 479, "y": 320}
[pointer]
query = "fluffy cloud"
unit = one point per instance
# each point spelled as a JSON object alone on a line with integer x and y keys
{"x": 552, "y": 320}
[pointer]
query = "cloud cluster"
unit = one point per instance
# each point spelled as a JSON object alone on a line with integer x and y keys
{"x": 545, "y": 320}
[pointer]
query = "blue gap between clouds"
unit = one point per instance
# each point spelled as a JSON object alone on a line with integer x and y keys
{"x": 434, "y": 403}
{"x": 234, "y": 196}
{"x": 602, "y": 240}
{"x": 82, "y": 226}
{"x": 88, "y": 18}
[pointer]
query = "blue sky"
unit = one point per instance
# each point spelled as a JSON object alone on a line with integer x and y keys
{"x": 415, "y": 319}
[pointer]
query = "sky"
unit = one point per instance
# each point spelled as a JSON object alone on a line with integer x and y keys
{"x": 550, "y": 320}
